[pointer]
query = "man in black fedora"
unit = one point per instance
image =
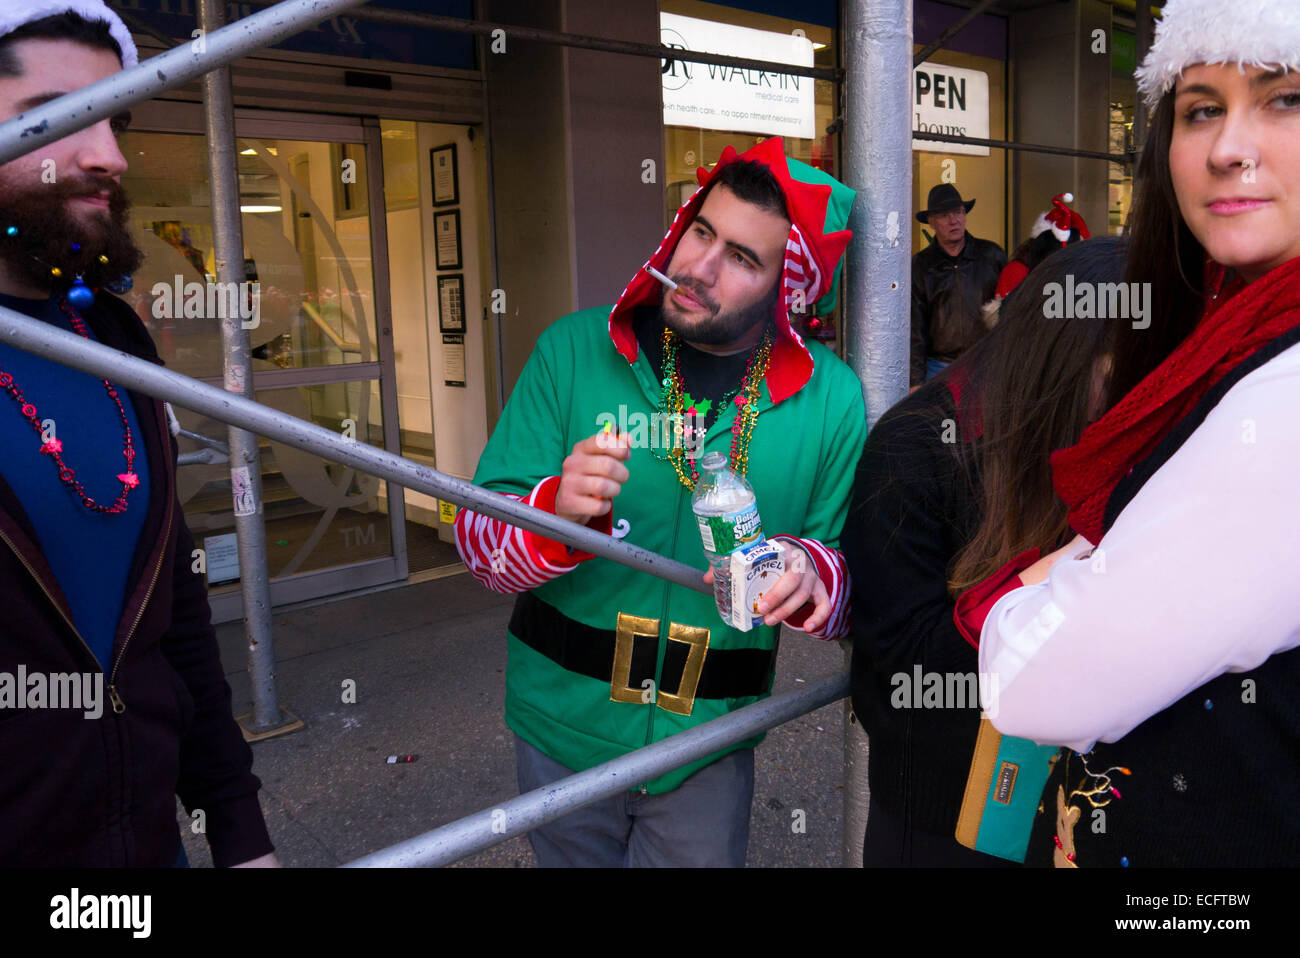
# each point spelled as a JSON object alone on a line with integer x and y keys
{"x": 951, "y": 279}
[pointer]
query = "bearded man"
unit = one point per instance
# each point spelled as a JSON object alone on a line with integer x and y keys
{"x": 113, "y": 700}
{"x": 604, "y": 659}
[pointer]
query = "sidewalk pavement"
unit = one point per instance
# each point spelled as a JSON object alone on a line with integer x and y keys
{"x": 428, "y": 662}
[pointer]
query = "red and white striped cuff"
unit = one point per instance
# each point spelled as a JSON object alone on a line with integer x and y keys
{"x": 834, "y": 573}
{"x": 508, "y": 559}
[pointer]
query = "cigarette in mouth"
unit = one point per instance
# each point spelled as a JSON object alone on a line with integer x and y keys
{"x": 661, "y": 277}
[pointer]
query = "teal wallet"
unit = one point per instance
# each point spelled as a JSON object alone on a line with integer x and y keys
{"x": 1005, "y": 783}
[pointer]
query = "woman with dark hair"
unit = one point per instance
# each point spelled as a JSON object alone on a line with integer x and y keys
{"x": 1175, "y": 645}
{"x": 954, "y": 482}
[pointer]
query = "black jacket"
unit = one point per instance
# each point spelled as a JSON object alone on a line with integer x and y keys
{"x": 947, "y": 293}
{"x": 76, "y": 791}
{"x": 913, "y": 508}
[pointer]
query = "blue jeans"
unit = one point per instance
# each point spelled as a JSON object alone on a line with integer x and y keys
{"x": 703, "y": 823}
{"x": 934, "y": 367}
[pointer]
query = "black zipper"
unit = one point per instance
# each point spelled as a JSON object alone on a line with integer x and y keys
{"x": 115, "y": 698}
{"x": 118, "y": 705}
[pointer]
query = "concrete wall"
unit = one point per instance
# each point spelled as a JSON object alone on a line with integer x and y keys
{"x": 530, "y": 179}
{"x": 615, "y": 125}
{"x": 570, "y": 131}
{"x": 1060, "y": 92}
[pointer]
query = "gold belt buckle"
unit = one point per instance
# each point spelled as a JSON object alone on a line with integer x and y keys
{"x": 629, "y": 627}
{"x": 698, "y": 640}
{"x": 620, "y": 688}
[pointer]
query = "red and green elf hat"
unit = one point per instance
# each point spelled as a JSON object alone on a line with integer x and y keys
{"x": 819, "y": 213}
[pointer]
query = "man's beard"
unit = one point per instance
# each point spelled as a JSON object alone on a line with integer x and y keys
{"x": 48, "y": 229}
{"x": 724, "y": 327}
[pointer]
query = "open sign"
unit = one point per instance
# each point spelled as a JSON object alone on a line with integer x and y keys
{"x": 950, "y": 100}
{"x": 942, "y": 90}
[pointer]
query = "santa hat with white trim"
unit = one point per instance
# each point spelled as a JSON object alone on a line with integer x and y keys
{"x": 819, "y": 206}
{"x": 1061, "y": 220}
{"x": 1259, "y": 33}
{"x": 18, "y": 13}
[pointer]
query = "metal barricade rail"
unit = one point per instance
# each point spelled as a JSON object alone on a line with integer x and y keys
{"x": 81, "y": 108}
{"x": 490, "y": 826}
{"x": 143, "y": 376}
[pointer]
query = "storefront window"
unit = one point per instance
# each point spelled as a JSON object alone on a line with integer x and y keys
{"x": 961, "y": 91}
{"x": 1123, "y": 92}
{"x": 309, "y": 307}
{"x": 319, "y": 514}
{"x": 306, "y": 245}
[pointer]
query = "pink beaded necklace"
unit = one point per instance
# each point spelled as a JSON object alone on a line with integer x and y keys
{"x": 54, "y": 447}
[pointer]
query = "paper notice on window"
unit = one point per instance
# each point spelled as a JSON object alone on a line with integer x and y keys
{"x": 221, "y": 557}
{"x": 444, "y": 177}
{"x": 453, "y": 360}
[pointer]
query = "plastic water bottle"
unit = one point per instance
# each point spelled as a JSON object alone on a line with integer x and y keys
{"x": 727, "y": 513}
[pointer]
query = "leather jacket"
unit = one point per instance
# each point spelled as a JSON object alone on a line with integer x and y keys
{"x": 947, "y": 293}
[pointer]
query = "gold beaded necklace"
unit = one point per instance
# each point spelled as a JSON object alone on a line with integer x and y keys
{"x": 742, "y": 429}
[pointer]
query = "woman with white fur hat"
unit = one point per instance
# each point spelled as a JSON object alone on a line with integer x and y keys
{"x": 1168, "y": 658}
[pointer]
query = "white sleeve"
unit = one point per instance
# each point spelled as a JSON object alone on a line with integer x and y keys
{"x": 1199, "y": 575}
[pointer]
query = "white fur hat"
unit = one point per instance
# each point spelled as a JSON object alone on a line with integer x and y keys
{"x": 1259, "y": 33}
{"x": 16, "y": 13}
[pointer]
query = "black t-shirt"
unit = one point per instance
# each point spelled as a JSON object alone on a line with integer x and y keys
{"x": 709, "y": 380}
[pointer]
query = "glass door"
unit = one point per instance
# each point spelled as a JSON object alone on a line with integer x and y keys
{"x": 316, "y": 305}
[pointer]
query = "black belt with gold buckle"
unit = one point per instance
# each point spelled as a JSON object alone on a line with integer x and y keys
{"x": 626, "y": 657}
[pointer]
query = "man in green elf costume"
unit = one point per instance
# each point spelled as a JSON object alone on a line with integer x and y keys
{"x": 604, "y": 659}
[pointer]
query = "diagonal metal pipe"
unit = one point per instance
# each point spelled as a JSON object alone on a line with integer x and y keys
{"x": 491, "y": 826}
{"x": 70, "y": 349}
{"x": 921, "y": 55}
{"x": 73, "y": 111}
{"x": 484, "y": 28}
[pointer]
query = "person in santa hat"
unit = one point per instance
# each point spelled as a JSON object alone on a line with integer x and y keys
{"x": 1162, "y": 646}
{"x": 1053, "y": 230}
{"x": 95, "y": 558}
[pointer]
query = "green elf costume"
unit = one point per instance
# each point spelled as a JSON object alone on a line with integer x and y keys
{"x": 588, "y": 635}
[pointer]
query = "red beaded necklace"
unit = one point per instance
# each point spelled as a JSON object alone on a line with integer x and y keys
{"x": 54, "y": 447}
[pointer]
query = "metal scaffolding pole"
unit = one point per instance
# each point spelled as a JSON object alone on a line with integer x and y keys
{"x": 494, "y": 825}
{"x": 73, "y": 111}
{"x": 71, "y": 350}
{"x": 878, "y": 161}
{"x": 245, "y": 460}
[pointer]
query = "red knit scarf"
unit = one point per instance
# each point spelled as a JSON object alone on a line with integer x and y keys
{"x": 1086, "y": 473}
